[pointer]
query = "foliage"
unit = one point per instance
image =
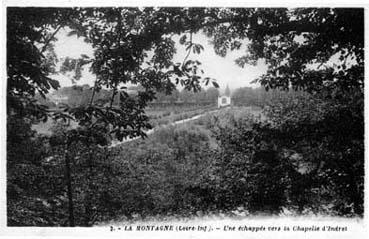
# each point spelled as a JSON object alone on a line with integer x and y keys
{"x": 208, "y": 96}
{"x": 326, "y": 129}
{"x": 307, "y": 155}
{"x": 149, "y": 178}
{"x": 30, "y": 57}
{"x": 35, "y": 189}
{"x": 247, "y": 96}
{"x": 124, "y": 35}
{"x": 329, "y": 135}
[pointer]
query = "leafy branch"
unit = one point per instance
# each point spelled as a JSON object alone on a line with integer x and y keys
{"x": 188, "y": 49}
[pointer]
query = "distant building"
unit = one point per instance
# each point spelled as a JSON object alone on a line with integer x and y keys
{"x": 225, "y": 100}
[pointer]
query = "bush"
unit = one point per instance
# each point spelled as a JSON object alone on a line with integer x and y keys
{"x": 307, "y": 156}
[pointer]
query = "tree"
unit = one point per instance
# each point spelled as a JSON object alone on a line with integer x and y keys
{"x": 30, "y": 56}
{"x": 299, "y": 46}
{"x": 212, "y": 94}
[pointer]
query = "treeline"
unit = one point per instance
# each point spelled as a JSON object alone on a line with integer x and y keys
{"x": 209, "y": 96}
{"x": 81, "y": 95}
{"x": 247, "y": 96}
{"x": 74, "y": 96}
{"x": 244, "y": 96}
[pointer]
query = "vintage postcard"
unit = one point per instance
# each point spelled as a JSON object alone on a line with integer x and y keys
{"x": 158, "y": 119}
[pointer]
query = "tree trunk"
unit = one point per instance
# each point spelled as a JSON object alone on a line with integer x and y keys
{"x": 69, "y": 190}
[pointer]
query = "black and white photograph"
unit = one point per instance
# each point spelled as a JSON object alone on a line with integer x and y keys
{"x": 122, "y": 115}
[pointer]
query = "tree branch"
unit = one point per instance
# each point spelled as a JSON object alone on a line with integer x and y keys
{"x": 189, "y": 50}
{"x": 113, "y": 95}
{"x": 50, "y": 38}
{"x": 93, "y": 92}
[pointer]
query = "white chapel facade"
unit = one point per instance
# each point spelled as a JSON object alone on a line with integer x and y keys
{"x": 225, "y": 99}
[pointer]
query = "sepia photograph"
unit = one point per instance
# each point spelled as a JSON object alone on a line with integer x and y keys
{"x": 125, "y": 115}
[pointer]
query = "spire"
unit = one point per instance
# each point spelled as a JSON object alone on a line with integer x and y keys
{"x": 227, "y": 91}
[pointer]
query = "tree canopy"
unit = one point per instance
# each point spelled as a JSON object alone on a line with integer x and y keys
{"x": 296, "y": 44}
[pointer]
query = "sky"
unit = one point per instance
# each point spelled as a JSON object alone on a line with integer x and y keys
{"x": 224, "y": 70}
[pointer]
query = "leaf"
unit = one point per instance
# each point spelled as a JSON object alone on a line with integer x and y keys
{"x": 183, "y": 39}
{"x": 215, "y": 84}
{"x": 54, "y": 83}
{"x": 72, "y": 33}
{"x": 254, "y": 81}
{"x": 189, "y": 46}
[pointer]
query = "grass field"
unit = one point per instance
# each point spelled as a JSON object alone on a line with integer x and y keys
{"x": 157, "y": 117}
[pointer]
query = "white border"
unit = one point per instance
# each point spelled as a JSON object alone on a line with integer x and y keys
{"x": 188, "y": 3}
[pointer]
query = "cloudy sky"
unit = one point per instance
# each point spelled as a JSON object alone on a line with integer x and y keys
{"x": 224, "y": 70}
